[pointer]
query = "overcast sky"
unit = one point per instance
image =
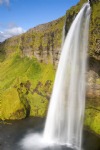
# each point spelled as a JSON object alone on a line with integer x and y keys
{"x": 17, "y": 16}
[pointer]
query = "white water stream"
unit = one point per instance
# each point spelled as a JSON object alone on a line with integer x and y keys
{"x": 65, "y": 116}
{"x": 66, "y": 110}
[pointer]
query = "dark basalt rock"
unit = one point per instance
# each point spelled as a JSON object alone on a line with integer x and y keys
{"x": 93, "y": 1}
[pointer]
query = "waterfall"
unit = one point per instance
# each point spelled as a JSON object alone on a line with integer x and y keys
{"x": 65, "y": 116}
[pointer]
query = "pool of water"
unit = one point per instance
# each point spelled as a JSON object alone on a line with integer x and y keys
{"x": 12, "y": 132}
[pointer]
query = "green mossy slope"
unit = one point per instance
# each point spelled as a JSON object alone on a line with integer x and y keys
{"x": 25, "y": 87}
{"x": 11, "y": 106}
{"x": 92, "y": 115}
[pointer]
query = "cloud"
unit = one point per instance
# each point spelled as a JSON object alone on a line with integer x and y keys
{"x": 7, "y": 2}
{"x": 11, "y": 25}
{"x": 10, "y": 32}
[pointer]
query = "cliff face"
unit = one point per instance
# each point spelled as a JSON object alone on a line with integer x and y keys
{"x": 43, "y": 42}
{"x": 94, "y": 34}
{"x": 94, "y": 45}
{"x": 27, "y": 71}
{"x": 92, "y": 113}
{"x": 27, "y": 68}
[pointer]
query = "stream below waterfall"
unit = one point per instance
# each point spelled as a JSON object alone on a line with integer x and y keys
{"x": 12, "y": 132}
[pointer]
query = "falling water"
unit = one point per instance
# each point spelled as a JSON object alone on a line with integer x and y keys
{"x": 66, "y": 110}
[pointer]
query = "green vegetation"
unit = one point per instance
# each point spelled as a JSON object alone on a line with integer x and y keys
{"x": 11, "y": 106}
{"x": 92, "y": 115}
{"x": 92, "y": 119}
{"x": 25, "y": 85}
{"x": 98, "y": 81}
{"x": 42, "y": 38}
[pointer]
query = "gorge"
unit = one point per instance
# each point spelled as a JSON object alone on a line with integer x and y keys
{"x": 27, "y": 69}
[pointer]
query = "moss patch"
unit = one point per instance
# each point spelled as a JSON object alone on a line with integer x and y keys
{"x": 92, "y": 119}
{"x": 92, "y": 115}
{"x": 11, "y": 106}
{"x": 25, "y": 86}
{"x": 38, "y": 105}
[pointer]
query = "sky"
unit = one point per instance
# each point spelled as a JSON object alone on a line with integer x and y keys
{"x": 18, "y": 16}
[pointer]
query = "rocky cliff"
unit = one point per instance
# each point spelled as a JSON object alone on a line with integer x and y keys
{"x": 92, "y": 117}
{"x": 28, "y": 63}
{"x": 43, "y": 42}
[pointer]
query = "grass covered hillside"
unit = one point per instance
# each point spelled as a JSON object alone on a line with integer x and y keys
{"x": 25, "y": 87}
{"x": 27, "y": 69}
